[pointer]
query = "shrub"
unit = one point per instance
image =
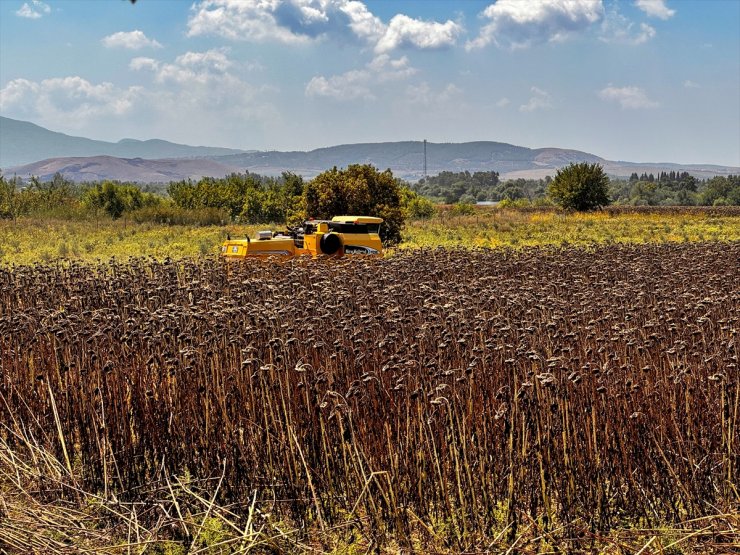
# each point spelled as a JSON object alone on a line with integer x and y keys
{"x": 580, "y": 187}
{"x": 415, "y": 206}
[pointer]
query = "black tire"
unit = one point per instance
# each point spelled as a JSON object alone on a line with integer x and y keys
{"x": 330, "y": 243}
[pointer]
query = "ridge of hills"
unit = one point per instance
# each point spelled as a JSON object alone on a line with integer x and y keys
{"x": 23, "y": 142}
{"x": 157, "y": 161}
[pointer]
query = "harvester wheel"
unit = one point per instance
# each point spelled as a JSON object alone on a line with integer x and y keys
{"x": 330, "y": 243}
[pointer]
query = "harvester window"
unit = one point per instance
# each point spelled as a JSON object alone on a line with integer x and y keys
{"x": 342, "y": 227}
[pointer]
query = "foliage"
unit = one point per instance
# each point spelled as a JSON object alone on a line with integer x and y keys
{"x": 721, "y": 191}
{"x": 229, "y": 193}
{"x": 463, "y": 209}
{"x": 188, "y": 233}
{"x": 115, "y": 199}
{"x": 167, "y": 213}
{"x": 246, "y": 197}
{"x": 56, "y": 198}
{"x": 13, "y": 201}
{"x": 666, "y": 189}
{"x": 415, "y": 206}
{"x": 451, "y": 186}
{"x": 358, "y": 189}
{"x": 580, "y": 187}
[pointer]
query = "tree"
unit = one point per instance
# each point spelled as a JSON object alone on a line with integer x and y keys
{"x": 721, "y": 190}
{"x": 581, "y": 186}
{"x": 415, "y": 206}
{"x": 113, "y": 198}
{"x": 14, "y": 202}
{"x": 358, "y": 190}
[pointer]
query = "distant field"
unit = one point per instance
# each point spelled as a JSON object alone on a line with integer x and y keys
{"x": 28, "y": 240}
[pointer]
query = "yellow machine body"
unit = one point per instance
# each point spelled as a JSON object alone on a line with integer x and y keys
{"x": 342, "y": 235}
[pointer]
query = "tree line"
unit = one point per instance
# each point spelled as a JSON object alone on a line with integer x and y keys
{"x": 666, "y": 189}
{"x": 237, "y": 198}
{"x": 358, "y": 189}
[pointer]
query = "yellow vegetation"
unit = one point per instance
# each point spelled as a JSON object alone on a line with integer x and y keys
{"x": 28, "y": 241}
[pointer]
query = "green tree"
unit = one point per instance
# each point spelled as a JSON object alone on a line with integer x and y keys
{"x": 581, "y": 186}
{"x": 113, "y": 198}
{"x": 358, "y": 190}
{"x": 415, "y": 206}
{"x": 13, "y": 201}
{"x": 721, "y": 191}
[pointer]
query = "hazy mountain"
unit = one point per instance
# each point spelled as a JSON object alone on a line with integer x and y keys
{"x": 22, "y": 142}
{"x": 144, "y": 161}
{"x": 98, "y": 168}
{"x": 406, "y": 159}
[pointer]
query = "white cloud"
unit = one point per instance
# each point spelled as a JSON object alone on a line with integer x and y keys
{"x": 362, "y": 22}
{"x": 502, "y": 103}
{"x": 305, "y": 21}
{"x": 646, "y": 33}
{"x": 618, "y": 29}
{"x": 254, "y": 20}
{"x": 540, "y": 100}
{"x": 629, "y": 98}
{"x": 34, "y": 10}
{"x": 689, "y": 84}
{"x": 132, "y": 40}
{"x": 424, "y": 95}
{"x": 204, "y": 68}
{"x": 70, "y": 101}
{"x": 359, "y": 83}
{"x": 202, "y": 81}
{"x": 406, "y": 31}
{"x": 519, "y": 23}
{"x": 221, "y": 103}
{"x": 655, "y": 8}
{"x": 347, "y": 86}
{"x": 143, "y": 63}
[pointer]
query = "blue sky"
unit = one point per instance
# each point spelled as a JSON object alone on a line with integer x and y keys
{"x": 637, "y": 80}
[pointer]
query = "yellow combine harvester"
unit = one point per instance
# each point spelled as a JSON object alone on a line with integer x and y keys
{"x": 336, "y": 237}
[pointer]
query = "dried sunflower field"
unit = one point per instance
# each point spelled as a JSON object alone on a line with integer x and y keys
{"x": 433, "y": 401}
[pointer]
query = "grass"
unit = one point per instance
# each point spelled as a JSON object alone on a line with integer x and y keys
{"x": 28, "y": 241}
{"x": 512, "y": 228}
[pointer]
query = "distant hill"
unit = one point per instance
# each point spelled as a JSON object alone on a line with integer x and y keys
{"x": 159, "y": 161}
{"x": 406, "y": 158}
{"x": 99, "y": 168}
{"x": 22, "y": 142}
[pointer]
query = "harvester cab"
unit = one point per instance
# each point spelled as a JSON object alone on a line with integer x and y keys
{"x": 342, "y": 235}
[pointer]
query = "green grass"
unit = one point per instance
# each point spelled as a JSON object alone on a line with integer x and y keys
{"x": 29, "y": 240}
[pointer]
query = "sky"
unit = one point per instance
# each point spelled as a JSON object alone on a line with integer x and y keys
{"x": 634, "y": 80}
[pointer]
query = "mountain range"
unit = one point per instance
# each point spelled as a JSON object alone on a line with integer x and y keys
{"x": 22, "y": 142}
{"x": 28, "y": 150}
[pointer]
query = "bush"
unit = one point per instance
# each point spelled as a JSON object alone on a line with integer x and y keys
{"x": 463, "y": 209}
{"x": 518, "y": 203}
{"x": 580, "y": 187}
{"x": 415, "y": 206}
